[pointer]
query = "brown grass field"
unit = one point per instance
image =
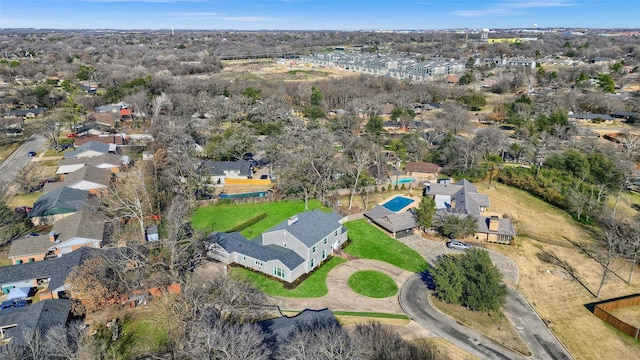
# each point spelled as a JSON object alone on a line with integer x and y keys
{"x": 557, "y": 297}
{"x": 630, "y": 315}
{"x": 270, "y": 70}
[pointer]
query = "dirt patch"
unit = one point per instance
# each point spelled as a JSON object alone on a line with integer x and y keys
{"x": 271, "y": 70}
{"x": 444, "y": 349}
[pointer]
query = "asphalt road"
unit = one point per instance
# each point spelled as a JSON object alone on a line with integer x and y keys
{"x": 414, "y": 301}
{"x": 19, "y": 159}
{"x": 532, "y": 329}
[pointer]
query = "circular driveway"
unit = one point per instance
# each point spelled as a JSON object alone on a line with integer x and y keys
{"x": 342, "y": 297}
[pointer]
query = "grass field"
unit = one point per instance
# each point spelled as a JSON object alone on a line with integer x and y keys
{"x": 313, "y": 286}
{"x": 534, "y": 218}
{"x": 24, "y": 199}
{"x": 493, "y": 325}
{"x": 368, "y": 242}
{"x": 226, "y": 217}
{"x": 559, "y": 299}
{"x": 373, "y": 284}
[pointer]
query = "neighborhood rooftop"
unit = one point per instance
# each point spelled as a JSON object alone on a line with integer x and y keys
{"x": 306, "y": 224}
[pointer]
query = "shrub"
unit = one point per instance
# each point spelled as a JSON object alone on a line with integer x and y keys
{"x": 249, "y": 223}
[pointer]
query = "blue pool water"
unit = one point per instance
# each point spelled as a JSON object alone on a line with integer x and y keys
{"x": 404, "y": 181}
{"x": 243, "y": 195}
{"x": 397, "y": 203}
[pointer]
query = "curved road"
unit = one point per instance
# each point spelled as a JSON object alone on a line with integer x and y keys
{"x": 414, "y": 300}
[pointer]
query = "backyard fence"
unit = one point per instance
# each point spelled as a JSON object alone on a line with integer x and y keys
{"x": 602, "y": 311}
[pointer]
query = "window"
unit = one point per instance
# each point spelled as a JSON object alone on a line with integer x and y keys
{"x": 258, "y": 262}
{"x": 324, "y": 253}
{"x": 313, "y": 249}
{"x": 324, "y": 241}
{"x": 19, "y": 261}
{"x": 336, "y": 234}
{"x": 312, "y": 263}
{"x": 244, "y": 258}
{"x": 278, "y": 272}
{"x": 32, "y": 259}
{"x": 284, "y": 244}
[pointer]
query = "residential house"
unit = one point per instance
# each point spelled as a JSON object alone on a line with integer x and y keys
{"x": 90, "y": 149}
{"x": 50, "y": 274}
{"x": 57, "y": 204}
{"x": 23, "y": 114}
{"x": 222, "y": 170}
{"x": 286, "y": 251}
{"x": 111, "y": 162}
{"x": 422, "y": 169}
{"x": 279, "y": 330}
{"x": 93, "y": 179}
{"x": 111, "y": 108}
{"x": 106, "y": 121}
{"x": 40, "y": 316}
{"x": 463, "y": 199}
{"x": 595, "y": 118}
{"x": 83, "y": 228}
{"x": 397, "y": 224}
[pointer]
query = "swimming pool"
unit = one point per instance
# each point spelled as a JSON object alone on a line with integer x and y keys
{"x": 243, "y": 195}
{"x": 403, "y": 181}
{"x": 398, "y": 203}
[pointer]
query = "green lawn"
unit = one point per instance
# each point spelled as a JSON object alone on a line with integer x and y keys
{"x": 24, "y": 199}
{"x": 368, "y": 242}
{"x": 226, "y": 217}
{"x": 373, "y": 284}
{"x": 313, "y": 286}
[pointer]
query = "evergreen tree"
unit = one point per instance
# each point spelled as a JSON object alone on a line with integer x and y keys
{"x": 483, "y": 286}
{"x": 316, "y": 96}
{"x": 426, "y": 211}
{"x": 449, "y": 279}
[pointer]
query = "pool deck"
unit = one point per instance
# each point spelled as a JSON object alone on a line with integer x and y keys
{"x": 412, "y": 196}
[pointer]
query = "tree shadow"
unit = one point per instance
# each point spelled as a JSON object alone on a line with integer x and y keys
{"x": 427, "y": 279}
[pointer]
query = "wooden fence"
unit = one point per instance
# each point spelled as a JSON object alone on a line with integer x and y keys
{"x": 602, "y": 312}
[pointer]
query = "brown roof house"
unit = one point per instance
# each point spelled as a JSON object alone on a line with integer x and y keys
{"x": 93, "y": 179}
{"x": 83, "y": 228}
{"x": 422, "y": 169}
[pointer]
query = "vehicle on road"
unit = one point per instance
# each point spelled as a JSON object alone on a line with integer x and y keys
{"x": 22, "y": 210}
{"x": 32, "y": 153}
{"x": 457, "y": 245}
{"x": 13, "y": 304}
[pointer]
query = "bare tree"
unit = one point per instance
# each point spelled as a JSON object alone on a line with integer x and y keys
{"x": 454, "y": 118}
{"x": 359, "y": 153}
{"x": 612, "y": 246}
{"x": 224, "y": 340}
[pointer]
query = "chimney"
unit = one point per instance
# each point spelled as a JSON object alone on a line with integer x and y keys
{"x": 292, "y": 220}
{"x": 52, "y": 236}
{"x": 494, "y": 222}
{"x": 453, "y": 203}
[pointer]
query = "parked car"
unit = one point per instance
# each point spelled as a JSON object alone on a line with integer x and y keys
{"x": 23, "y": 210}
{"x": 32, "y": 153}
{"x": 457, "y": 245}
{"x": 71, "y": 136}
{"x": 264, "y": 177}
{"x": 13, "y": 304}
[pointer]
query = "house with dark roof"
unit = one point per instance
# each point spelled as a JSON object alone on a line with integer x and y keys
{"x": 83, "y": 228}
{"x": 51, "y": 273}
{"x": 57, "y": 204}
{"x": 93, "y": 179}
{"x": 222, "y": 170}
{"x": 397, "y": 224}
{"x": 90, "y": 149}
{"x": 463, "y": 199}
{"x": 40, "y": 316}
{"x": 117, "y": 139}
{"x": 111, "y": 162}
{"x": 286, "y": 251}
{"x": 591, "y": 118}
{"x": 277, "y": 331}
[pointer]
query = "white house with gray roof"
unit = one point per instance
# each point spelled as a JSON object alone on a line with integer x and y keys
{"x": 221, "y": 170}
{"x": 286, "y": 251}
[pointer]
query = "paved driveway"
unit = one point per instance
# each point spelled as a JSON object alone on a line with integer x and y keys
{"x": 340, "y": 295}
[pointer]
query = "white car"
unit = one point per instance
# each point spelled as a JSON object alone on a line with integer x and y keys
{"x": 457, "y": 245}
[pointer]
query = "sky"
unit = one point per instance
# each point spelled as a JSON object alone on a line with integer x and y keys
{"x": 317, "y": 14}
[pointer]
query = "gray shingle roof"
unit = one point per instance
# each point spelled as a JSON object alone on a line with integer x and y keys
{"x": 311, "y": 226}
{"x": 391, "y": 221}
{"x": 56, "y": 269}
{"x": 60, "y": 201}
{"x": 235, "y": 242}
{"x": 85, "y": 224}
{"x": 463, "y": 193}
{"x": 218, "y": 168}
{"x": 41, "y": 315}
{"x": 90, "y": 146}
{"x": 30, "y": 246}
{"x": 278, "y": 330}
{"x": 89, "y": 173}
{"x": 505, "y": 226}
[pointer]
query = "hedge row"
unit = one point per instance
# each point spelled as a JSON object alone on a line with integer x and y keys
{"x": 249, "y": 223}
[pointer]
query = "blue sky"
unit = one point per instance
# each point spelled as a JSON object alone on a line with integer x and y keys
{"x": 317, "y": 14}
